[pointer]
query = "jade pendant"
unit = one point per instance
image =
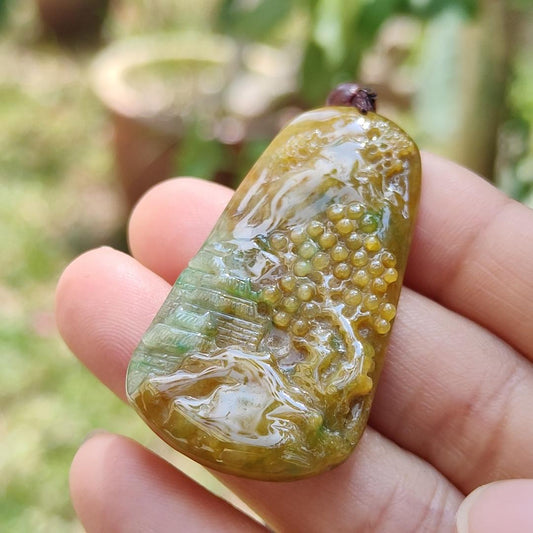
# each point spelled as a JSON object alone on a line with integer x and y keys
{"x": 264, "y": 359}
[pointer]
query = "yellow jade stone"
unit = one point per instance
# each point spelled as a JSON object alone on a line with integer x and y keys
{"x": 264, "y": 359}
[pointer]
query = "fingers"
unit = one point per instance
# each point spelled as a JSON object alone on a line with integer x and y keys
{"x": 460, "y": 401}
{"x": 372, "y": 488}
{"x": 118, "y": 486}
{"x": 454, "y": 394}
{"x": 105, "y": 300}
{"x": 379, "y": 488}
{"x": 500, "y": 506}
{"x": 168, "y": 226}
{"x": 472, "y": 251}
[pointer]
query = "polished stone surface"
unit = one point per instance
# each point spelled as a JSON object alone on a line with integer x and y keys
{"x": 264, "y": 359}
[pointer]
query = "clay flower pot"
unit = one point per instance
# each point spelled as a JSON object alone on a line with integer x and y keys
{"x": 73, "y": 20}
{"x": 152, "y": 86}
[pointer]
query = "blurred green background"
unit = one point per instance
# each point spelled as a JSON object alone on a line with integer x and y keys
{"x": 90, "y": 116}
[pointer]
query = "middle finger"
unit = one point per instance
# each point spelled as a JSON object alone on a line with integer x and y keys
{"x": 456, "y": 395}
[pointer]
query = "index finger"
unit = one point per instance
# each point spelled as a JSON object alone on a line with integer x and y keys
{"x": 473, "y": 251}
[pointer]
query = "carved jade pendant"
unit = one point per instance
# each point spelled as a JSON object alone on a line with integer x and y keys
{"x": 264, "y": 358}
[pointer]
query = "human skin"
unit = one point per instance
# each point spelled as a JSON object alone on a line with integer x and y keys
{"x": 452, "y": 410}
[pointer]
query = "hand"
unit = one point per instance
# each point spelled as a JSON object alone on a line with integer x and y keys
{"x": 454, "y": 407}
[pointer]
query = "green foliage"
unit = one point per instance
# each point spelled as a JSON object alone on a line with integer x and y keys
{"x": 198, "y": 156}
{"x": 427, "y": 9}
{"x": 520, "y": 4}
{"x": 437, "y": 104}
{"x": 254, "y": 22}
{"x": 339, "y": 32}
{"x": 517, "y": 130}
{"x": 316, "y": 76}
{"x": 372, "y": 15}
{"x": 3, "y": 9}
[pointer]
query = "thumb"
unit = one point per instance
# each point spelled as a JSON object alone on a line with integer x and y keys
{"x": 502, "y": 506}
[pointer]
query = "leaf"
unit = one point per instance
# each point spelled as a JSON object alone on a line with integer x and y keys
{"x": 371, "y": 17}
{"x": 254, "y": 23}
{"x": 327, "y": 29}
{"x": 315, "y": 75}
{"x": 198, "y": 156}
{"x": 3, "y": 10}
{"x": 431, "y": 8}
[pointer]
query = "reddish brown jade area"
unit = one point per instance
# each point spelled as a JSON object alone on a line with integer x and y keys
{"x": 264, "y": 359}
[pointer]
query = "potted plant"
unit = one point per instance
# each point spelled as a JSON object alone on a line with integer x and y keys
{"x": 153, "y": 86}
{"x": 73, "y": 20}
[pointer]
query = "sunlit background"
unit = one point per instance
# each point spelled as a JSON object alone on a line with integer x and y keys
{"x": 100, "y": 99}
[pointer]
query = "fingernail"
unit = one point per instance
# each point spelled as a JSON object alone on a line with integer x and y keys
{"x": 463, "y": 513}
{"x": 94, "y": 433}
{"x": 498, "y": 507}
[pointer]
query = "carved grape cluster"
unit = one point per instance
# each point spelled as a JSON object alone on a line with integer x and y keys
{"x": 334, "y": 261}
